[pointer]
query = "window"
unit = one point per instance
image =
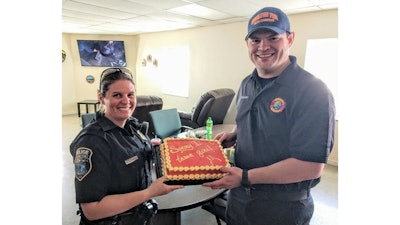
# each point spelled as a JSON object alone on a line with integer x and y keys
{"x": 321, "y": 60}
{"x": 174, "y": 70}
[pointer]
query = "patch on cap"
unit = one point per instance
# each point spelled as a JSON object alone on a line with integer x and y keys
{"x": 264, "y": 17}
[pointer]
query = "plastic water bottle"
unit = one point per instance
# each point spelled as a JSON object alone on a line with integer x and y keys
{"x": 209, "y": 125}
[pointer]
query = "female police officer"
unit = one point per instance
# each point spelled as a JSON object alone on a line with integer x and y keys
{"x": 112, "y": 176}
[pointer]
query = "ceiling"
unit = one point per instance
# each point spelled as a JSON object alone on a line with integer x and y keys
{"x": 132, "y": 17}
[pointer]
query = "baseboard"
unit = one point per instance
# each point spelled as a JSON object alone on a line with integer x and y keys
{"x": 333, "y": 163}
{"x": 70, "y": 114}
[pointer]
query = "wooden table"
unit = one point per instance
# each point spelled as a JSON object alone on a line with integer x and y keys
{"x": 192, "y": 196}
{"x": 87, "y": 103}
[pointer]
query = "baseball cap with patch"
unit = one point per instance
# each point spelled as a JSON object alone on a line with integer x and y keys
{"x": 269, "y": 18}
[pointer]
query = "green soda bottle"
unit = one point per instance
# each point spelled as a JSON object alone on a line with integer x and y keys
{"x": 209, "y": 125}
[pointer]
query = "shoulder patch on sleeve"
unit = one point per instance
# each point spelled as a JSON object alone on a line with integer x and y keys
{"x": 83, "y": 162}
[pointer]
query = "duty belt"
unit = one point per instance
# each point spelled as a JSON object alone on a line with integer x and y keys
{"x": 139, "y": 215}
{"x": 122, "y": 218}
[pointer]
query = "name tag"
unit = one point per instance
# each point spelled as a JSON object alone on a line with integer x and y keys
{"x": 131, "y": 160}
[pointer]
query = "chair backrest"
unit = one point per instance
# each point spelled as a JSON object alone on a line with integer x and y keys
{"x": 166, "y": 122}
{"x": 214, "y": 104}
{"x": 87, "y": 118}
{"x": 144, "y": 105}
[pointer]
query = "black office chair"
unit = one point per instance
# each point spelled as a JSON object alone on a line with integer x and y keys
{"x": 217, "y": 206}
{"x": 167, "y": 123}
{"x": 145, "y": 104}
{"x": 214, "y": 103}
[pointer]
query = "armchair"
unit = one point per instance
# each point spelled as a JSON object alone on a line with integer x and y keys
{"x": 217, "y": 206}
{"x": 144, "y": 105}
{"x": 214, "y": 104}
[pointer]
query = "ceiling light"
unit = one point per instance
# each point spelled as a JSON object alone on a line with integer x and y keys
{"x": 199, "y": 11}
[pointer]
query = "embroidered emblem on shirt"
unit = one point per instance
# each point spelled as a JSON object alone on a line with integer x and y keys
{"x": 277, "y": 105}
{"x": 83, "y": 162}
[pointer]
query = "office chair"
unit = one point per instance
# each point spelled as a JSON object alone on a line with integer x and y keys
{"x": 214, "y": 103}
{"x": 167, "y": 123}
{"x": 217, "y": 206}
{"x": 145, "y": 104}
{"x": 87, "y": 118}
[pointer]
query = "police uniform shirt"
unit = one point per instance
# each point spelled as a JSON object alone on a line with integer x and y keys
{"x": 108, "y": 160}
{"x": 292, "y": 116}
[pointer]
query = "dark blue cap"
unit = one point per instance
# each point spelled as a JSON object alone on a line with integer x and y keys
{"x": 269, "y": 18}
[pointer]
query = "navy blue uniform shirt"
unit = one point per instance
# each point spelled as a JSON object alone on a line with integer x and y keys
{"x": 109, "y": 160}
{"x": 292, "y": 116}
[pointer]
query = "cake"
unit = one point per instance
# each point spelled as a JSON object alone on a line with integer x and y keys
{"x": 192, "y": 159}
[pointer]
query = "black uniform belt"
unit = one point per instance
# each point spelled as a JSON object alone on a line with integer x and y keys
{"x": 139, "y": 215}
{"x": 280, "y": 196}
{"x": 122, "y": 218}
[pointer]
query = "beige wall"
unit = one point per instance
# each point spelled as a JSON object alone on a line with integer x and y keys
{"x": 74, "y": 85}
{"x": 218, "y": 58}
{"x": 334, "y": 157}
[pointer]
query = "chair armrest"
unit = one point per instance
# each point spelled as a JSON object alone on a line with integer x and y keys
{"x": 186, "y": 120}
{"x": 186, "y": 128}
{"x": 185, "y": 115}
{"x": 189, "y": 123}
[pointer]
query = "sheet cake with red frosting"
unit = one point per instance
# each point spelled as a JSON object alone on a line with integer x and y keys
{"x": 192, "y": 159}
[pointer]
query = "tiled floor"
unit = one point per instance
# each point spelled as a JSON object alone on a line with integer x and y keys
{"x": 325, "y": 194}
